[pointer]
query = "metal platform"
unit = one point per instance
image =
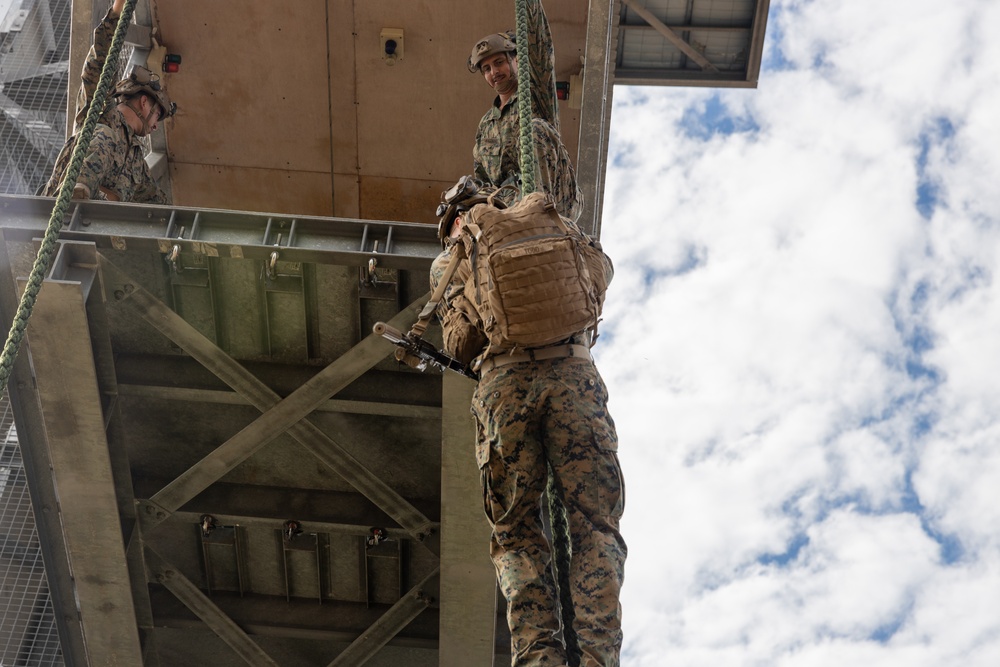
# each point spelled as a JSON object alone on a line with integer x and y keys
{"x": 227, "y": 467}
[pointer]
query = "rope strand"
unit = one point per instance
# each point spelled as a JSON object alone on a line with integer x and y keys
{"x": 561, "y": 544}
{"x": 562, "y": 552}
{"x": 528, "y": 164}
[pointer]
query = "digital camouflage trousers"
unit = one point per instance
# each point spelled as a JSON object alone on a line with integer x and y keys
{"x": 553, "y": 411}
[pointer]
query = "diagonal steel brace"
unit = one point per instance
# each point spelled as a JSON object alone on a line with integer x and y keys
{"x": 388, "y": 625}
{"x": 223, "y": 626}
{"x": 671, "y": 36}
{"x": 280, "y": 415}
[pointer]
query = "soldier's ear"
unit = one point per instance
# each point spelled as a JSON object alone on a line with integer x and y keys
{"x": 456, "y": 224}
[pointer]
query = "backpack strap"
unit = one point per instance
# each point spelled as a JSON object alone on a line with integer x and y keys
{"x": 424, "y": 318}
{"x": 475, "y": 233}
{"x": 554, "y": 214}
{"x": 507, "y": 186}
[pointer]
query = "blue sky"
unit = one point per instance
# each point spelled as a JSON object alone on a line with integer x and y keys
{"x": 802, "y": 338}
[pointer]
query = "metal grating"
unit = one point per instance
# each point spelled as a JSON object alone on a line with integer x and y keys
{"x": 34, "y": 48}
{"x": 28, "y": 635}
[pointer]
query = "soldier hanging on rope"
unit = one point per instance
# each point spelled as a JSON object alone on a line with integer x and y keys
{"x": 541, "y": 410}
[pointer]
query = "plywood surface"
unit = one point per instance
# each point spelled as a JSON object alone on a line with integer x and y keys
{"x": 280, "y": 103}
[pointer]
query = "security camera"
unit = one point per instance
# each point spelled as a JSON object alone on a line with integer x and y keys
{"x": 392, "y": 45}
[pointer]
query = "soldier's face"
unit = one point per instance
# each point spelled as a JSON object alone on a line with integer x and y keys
{"x": 151, "y": 111}
{"x": 143, "y": 123}
{"x": 500, "y": 71}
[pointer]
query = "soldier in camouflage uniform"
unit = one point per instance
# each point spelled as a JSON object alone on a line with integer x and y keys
{"x": 114, "y": 167}
{"x": 531, "y": 413}
{"x": 496, "y": 155}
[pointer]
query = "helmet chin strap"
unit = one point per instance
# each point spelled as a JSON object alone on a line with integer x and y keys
{"x": 146, "y": 128}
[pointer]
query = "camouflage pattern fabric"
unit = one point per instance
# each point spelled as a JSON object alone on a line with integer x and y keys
{"x": 496, "y": 154}
{"x": 529, "y": 414}
{"x": 556, "y": 411}
{"x": 114, "y": 158}
{"x": 499, "y": 158}
{"x": 460, "y": 325}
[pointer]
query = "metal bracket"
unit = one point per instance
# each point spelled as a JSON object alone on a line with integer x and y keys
{"x": 173, "y": 256}
{"x": 213, "y": 537}
{"x": 274, "y": 267}
{"x": 294, "y": 539}
{"x": 75, "y": 262}
{"x": 376, "y": 282}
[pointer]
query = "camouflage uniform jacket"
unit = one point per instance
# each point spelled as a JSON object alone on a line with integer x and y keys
{"x": 114, "y": 158}
{"x": 497, "y": 152}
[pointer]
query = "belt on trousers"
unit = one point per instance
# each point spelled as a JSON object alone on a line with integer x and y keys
{"x": 541, "y": 354}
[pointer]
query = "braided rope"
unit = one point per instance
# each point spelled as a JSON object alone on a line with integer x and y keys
{"x": 49, "y": 243}
{"x": 528, "y": 164}
{"x": 561, "y": 543}
{"x": 562, "y": 552}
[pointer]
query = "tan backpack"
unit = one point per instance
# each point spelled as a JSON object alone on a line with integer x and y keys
{"x": 536, "y": 279}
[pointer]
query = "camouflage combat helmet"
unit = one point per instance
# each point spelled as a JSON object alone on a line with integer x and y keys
{"x": 461, "y": 197}
{"x": 490, "y": 45}
{"x": 141, "y": 80}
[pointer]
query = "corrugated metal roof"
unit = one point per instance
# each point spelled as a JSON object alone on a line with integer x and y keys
{"x": 690, "y": 42}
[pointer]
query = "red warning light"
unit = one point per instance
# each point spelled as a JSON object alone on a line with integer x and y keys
{"x": 172, "y": 62}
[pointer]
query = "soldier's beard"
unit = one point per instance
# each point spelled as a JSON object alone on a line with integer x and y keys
{"x": 507, "y": 87}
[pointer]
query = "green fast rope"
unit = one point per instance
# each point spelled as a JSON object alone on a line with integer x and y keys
{"x": 524, "y": 100}
{"x": 562, "y": 551}
{"x": 49, "y": 242}
{"x": 561, "y": 545}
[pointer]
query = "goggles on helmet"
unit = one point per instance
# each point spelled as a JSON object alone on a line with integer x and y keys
{"x": 456, "y": 194}
{"x": 462, "y": 196}
{"x": 142, "y": 80}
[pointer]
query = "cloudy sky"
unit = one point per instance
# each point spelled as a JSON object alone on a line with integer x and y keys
{"x": 803, "y": 346}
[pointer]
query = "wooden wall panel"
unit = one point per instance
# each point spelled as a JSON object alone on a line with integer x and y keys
{"x": 400, "y": 199}
{"x": 343, "y": 87}
{"x": 347, "y": 196}
{"x": 262, "y": 190}
{"x": 279, "y": 102}
{"x": 253, "y": 87}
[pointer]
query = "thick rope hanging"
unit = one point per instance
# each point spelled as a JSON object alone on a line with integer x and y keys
{"x": 524, "y": 100}
{"x": 49, "y": 242}
{"x": 561, "y": 544}
{"x": 562, "y": 551}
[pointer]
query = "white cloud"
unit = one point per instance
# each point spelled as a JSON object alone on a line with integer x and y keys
{"x": 800, "y": 343}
